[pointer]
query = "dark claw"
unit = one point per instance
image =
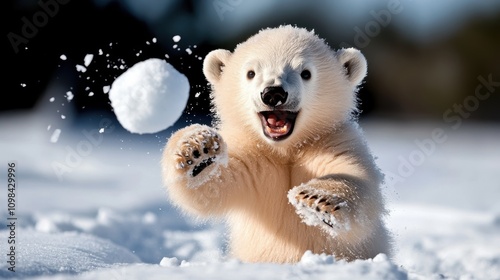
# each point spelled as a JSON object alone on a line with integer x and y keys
{"x": 328, "y": 223}
{"x": 302, "y": 192}
{"x": 336, "y": 208}
{"x": 204, "y": 164}
{"x": 322, "y": 200}
{"x": 314, "y": 197}
{"x": 205, "y": 150}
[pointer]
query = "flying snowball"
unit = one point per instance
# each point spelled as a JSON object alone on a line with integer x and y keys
{"x": 149, "y": 97}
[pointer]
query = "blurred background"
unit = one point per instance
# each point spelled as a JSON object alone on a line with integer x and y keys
{"x": 423, "y": 56}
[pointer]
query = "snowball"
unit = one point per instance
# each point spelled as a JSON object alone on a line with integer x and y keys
{"x": 149, "y": 97}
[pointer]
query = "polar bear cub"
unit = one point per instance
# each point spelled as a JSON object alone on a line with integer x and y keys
{"x": 285, "y": 163}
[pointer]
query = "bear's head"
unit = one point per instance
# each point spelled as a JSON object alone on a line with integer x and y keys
{"x": 284, "y": 85}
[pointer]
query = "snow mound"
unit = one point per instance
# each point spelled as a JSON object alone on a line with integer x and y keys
{"x": 310, "y": 267}
{"x": 40, "y": 253}
{"x": 149, "y": 97}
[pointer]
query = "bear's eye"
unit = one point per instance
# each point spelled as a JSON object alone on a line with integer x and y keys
{"x": 250, "y": 74}
{"x": 306, "y": 74}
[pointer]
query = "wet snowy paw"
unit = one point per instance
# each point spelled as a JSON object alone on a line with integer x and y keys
{"x": 198, "y": 149}
{"x": 319, "y": 208}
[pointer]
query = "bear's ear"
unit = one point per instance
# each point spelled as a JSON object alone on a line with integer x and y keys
{"x": 214, "y": 63}
{"x": 354, "y": 64}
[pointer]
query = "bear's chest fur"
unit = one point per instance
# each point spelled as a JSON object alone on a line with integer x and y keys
{"x": 265, "y": 221}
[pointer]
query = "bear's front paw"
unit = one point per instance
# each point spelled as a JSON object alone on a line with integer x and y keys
{"x": 198, "y": 149}
{"x": 320, "y": 208}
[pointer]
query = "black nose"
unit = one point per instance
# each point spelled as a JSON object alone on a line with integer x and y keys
{"x": 273, "y": 96}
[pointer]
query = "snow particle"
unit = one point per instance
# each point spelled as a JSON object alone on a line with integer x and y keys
{"x": 309, "y": 259}
{"x": 81, "y": 68}
{"x": 105, "y": 89}
{"x": 176, "y": 38}
{"x": 63, "y": 57}
{"x": 154, "y": 40}
{"x": 189, "y": 51}
{"x": 91, "y": 94}
{"x": 69, "y": 95}
{"x": 23, "y": 84}
{"x": 88, "y": 59}
{"x": 169, "y": 262}
{"x": 63, "y": 117}
{"x": 149, "y": 218}
{"x": 55, "y": 135}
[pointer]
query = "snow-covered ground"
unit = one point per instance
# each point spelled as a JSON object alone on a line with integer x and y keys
{"x": 91, "y": 206}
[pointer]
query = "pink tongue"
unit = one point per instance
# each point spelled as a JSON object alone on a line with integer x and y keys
{"x": 273, "y": 120}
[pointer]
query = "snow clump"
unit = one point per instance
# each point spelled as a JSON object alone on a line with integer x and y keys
{"x": 149, "y": 97}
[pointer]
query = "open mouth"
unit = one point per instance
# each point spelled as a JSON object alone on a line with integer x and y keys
{"x": 278, "y": 125}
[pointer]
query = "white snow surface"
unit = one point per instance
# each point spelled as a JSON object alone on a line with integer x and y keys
{"x": 64, "y": 253}
{"x": 109, "y": 218}
{"x": 149, "y": 96}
